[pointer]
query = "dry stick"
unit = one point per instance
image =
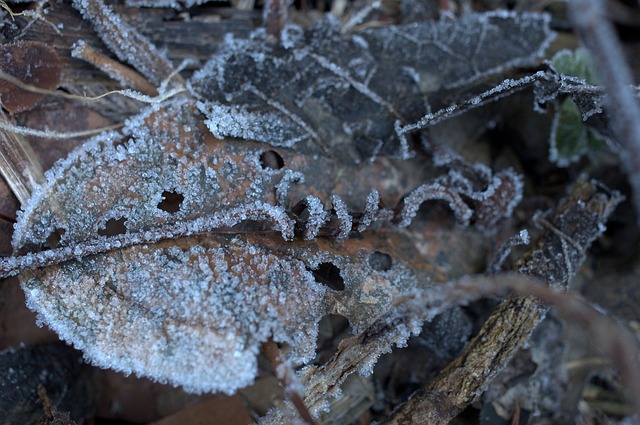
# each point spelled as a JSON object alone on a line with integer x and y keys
{"x": 287, "y": 379}
{"x": 580, "y": 218}
{"x": 598, "y": 34}
{"x": 614, "y": 341}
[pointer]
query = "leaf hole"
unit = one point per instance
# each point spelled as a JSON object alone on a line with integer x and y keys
{"x": 329, "y": 275}
{"x": 114, "y": 227}
{"x": 53, "y": 240}
{"x": 171, "y": 202}
{"x": 271, "y": 160}
{"x": 380, "y": 262}
{"x": 301, "y": 210}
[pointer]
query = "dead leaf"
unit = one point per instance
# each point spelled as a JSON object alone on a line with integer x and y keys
{"x": 174, "y": 309}
{"x": 33, "y": 64}
{"x": 345, "y": 96}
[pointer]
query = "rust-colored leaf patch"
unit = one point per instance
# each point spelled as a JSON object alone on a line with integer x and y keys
{"x": 32, "y": 64}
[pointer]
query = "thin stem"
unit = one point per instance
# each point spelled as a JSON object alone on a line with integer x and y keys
{"x": 598, "y": 34}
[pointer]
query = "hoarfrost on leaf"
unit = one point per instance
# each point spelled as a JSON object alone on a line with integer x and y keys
{"x": 175, "y": 296}
{"x": 344, "y": 94}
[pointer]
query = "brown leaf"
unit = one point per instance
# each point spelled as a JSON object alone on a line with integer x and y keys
{"x": 34, "y": 64}
{"x": 178, "y": 292}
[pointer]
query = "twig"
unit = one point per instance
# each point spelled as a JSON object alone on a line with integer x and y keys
{"x": 581, "y": 217}
{"x": 598, "y": 34}
{"x": 288, "y": 379}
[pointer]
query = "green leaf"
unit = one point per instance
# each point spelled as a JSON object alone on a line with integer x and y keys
{"x": 576, "y": 63}
{"x": 570, "y": 139}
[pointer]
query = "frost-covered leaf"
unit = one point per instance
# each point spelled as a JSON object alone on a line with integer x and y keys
{"x": 197, "y": 272}
{"x": 576, "y": 63}
{"x": 570, "y": 137}
{"x": 343, "y": 95}
{"x": 170, "y": 251}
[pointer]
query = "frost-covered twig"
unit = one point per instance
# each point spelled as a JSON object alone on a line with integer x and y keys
{"x": 589, "y": 18}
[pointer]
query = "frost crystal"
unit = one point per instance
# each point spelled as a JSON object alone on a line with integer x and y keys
{"x": 282, "y": 188}
{"x": 153, "y": 313}
{"x": 370, "y": 210}
{"x": 316, "y": 219}
{"x": 342, "y": 213}
{"x": 433, "y": 191}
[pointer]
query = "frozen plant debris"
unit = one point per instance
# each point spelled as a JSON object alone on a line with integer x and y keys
{"x": 277, "y": 220}
{"x": 188, "y": 297}
{"x": 345, "y": 94}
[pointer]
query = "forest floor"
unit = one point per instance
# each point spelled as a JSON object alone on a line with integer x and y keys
{"x": 332, "y": 212}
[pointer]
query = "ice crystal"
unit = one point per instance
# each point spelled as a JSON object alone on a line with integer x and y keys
{"x": 317, "y": 217}
{"x": 433, "y": 191}
{"x": 370, "y": 210}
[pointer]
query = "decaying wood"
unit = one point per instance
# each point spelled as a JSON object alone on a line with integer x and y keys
{"x": 578, "y": 220}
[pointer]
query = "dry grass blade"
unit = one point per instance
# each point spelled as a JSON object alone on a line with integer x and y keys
{"x": 126, "y": 42}
{"x": 18, "y": 164}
